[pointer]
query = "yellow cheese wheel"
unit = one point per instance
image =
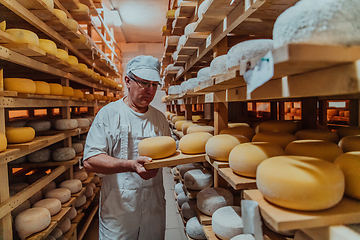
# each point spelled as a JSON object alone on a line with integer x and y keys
{"x": 82, "y": 8}
{"x": 170, "y": 13}
{"x": 78, "y": 93}
{"x": 72, "y": 24}
{"x": 278, "y": 126}
{"x": 68, "y": 91}
{"x": 171, "y": 115}
{"x": 24, "y": 36}
{"x": 48, "y": 46}
{"x": 245, "y": 158}
{"x": 194, "y": 143}
{"x": 89, "y": 97}
{"x": 178, "y": 124}
{"x": 349, "y": 164}
{"x": 281, "y": 139}
{"x": 82, "y": 67}
{"x": 163, "y": 28}
{"x": 328, "y": 151}
{"x": 89, "y": 72}
{"x": 199, "y": 128}
{"x": 167, "y": 113}
{"x": 177, "y": 118}
{"x": 20, "y": 134}
{"x": 332, "y": 112}
{"x": 219, "y": 147}
{"x": 350, "y": 143}
{"x": 317, "y": 134}
{"x": 73, "y": 60}
{"x": 62, "y": 54}
{"x": 49, "y": 4}
{"x": 231, "y": 125}
{"x": 157, "y": 147}
{"x": 42, "y": 87}
{"x": 248, "y": 132}
{"x": 196, "y": 117}
{"x": 20, "y": 85}
{"x": 300, "y": 183}
{"x": 346, "y": 131}
{"x": 97, "y": 97}
{"x": 61, "y": 15}
{"x": 185, "y": 126}
{"x": 56, "y": 89}
{"x": 82, "y": 39}
{"x": 3, "y": 142}
{"x": 3, "y": 25}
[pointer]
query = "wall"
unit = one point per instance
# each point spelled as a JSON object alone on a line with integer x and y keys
{"x": 131, "y": 50}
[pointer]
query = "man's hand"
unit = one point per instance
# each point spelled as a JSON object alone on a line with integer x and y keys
{"x": 138, "y": 166}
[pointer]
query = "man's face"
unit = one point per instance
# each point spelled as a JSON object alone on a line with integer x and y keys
{"x": 141, "y": 91}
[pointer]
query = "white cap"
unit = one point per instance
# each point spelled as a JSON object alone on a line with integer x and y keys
{"x": 145, "y": 67}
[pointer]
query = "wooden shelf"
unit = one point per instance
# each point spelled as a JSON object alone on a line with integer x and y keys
{"x": 216, "y": 164}
{"x": 203, "y": 219}
{"x": 176, "y": 159}
{"x": 236, "y": 181}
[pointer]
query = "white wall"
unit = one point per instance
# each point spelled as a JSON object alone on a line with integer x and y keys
{"x": 131, "y": 50}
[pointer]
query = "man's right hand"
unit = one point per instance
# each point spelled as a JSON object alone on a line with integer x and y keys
{"x": 138, "y": 166}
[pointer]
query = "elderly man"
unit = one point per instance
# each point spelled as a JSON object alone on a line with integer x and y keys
{"x": 132, "y": 203}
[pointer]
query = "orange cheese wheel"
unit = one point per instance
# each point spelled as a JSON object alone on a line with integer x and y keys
{"x": 56, "y": 89}
{"x": 157, "y": 147}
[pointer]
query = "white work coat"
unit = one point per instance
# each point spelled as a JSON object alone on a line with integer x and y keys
{"x": 130, "y": 207}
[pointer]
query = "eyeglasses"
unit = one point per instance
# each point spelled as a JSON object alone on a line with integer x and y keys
{"x": 145, "y": 84}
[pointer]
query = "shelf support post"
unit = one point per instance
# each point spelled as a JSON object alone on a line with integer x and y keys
{"x": 309, "y": 113}
{"x": 354, "y": 112}
{"x": 220, "y": 116}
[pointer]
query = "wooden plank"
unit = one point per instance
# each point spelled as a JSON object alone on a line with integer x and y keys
{"x": 70, "y": 4}
{"x": 187, "y": 8}
{"x": 6, "y": 38}
{"x": 28, "y": 145}
{"x": 176, "y": 159}
{"x": 181, "y": 22}
{"x": 216, "y": 164}
{"x": 57, "y": 217}
{"x": 78, "y": 194}
{"x": 78, "y": 218}
{"x": 25, "y": 49}
{"x": 71, "y": 231}
{"x": 282, "y": 219}
{"x": 69, "y": 203}
{"x": 44, "y": 233}
{"x": 187, "y": 50}
{"x": 33, "y": 4}
{"x": 87, "y": 223}
{"x": 209, "y": 233}
{"x": 81, "y": 17}
{"x": 350, "y": 232}
{"x": 236, "y": 181}
{"x": 8, "y": 94}
{"x": 203, "y": 219}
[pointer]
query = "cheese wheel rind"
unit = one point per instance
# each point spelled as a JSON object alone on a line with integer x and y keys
{"x": 63, "y": 194}
{"x": 19, "y": 135}
{"x": 32, "y": 220}
{"x": 219, "y": 147}
{"x": 3, "y": 142}
{"x": 66, "y": 124}
{"x": 48, "y": 46}
{"x": 198, "y": 179}
{"x": 157, "y": 147}
{"x": 24, "y": 36}
{"x": 55, "y": 89}
{"x": 278, "y": 126}
{"x": 51, "y": 204}
{"x": 211, "y": 199}
{"x": 74, "y": 185}
{"x": 20, "y": 85}
{"x": 42, "y": 155}
{"x": 245, "y": 131}
{"x": 194, "y": 143}
{"x": 281, "y": 139}
{"x": 194, "y": 229}
{"x": 226, "y": 222}
{"x": 317, "y": 134}
{"x": 39, "y": 126}
{"x": 63, "y": 154}
{"x": 350, "y": 143}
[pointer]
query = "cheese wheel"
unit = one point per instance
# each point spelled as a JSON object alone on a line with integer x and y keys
{"x": 42, "y": 155}
{"x": 82, "y": 67}
{"x": 68, "y": 91}
{"x": 188, "y": 209}
{"x": 281, "y": 139}
{"x": 185, "y": 126}
{"x": 89, "y": 97}
{"x": 245, "y": 131}
{"x": 62, "y": 54}
{"x": 19, "y": 160}
{"x": 178, "y": 124}
{"x": 92, "y": 185}
{"x": 197, "y": 128}
{"x": 89, "y": 191}
{"x": 51, "y": 204}
{"x": 245, "y": 158}
{"x": 50, "y": 186}
{"x": 300, "y": 183}
{"x": 278, "y": 126}
{"x": 3, "y": 142}
{"x": 218, "y": 65}
{"x": 63, "y": 194}
{"x": 157, "y": 147}
{"x": 40, "y": 126}
{"x": 194, "y": 229}
{"x": 64, "y": 225}
{"x": 198, "y": 179}
{"x": 3, "y": 25}
{"x": 170, "y": 13}
{"x": 83, "y": 122}
{"x": 328, "y": 151}
{"x": 22, "y": 207}
{"x": 32, "y": 220}
{"x": 80, "y": 201}
{"x": 81, "y": 175}
{"x": 49, "y": 4}
{"x": 349, "y": 164}
{"x": 346, "y": 131}
{"x": 194, "y": 143}
{"x": 42, "y": 87}
{"x": 74, "y": 185}
{"x": 317, "y": 134}
{"x": 65, "y": 124}
{"x": 20, "y": 85}
{"x": 183, "y": 168}
{"x": 24, "y": 36}
{"x": 72, "y": 24}
{"x": 244, "y": 237}
{"x": 177, "y": 118}
{"x": 350, "y": 143}
{"x": 19, "y": 135}
{"x": 56, "y": 233}
{"x": 78, "y": 93}
{"x": 209, "y": 200}
{"x": 61, "y": 15}
{"x": 218, "y": 147}
{"x": 55, "y": 89}
{"x": 49, "y": 237}
{"x": 63, "y": 154}
{"x": 48, "y": 46}
{"x": 82, "y": 8}
{"x": 181, "y": 198}
{"x": 73, "y": 60}
{"x": 226, "y": 222}
{"x": 78, "y": 147}
{"x": 71, "y": 214}
{"x": 96, "y": 179}
{"x": 179, "y": 188}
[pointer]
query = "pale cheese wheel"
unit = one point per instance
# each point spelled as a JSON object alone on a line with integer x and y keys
{"x": 3, "y": 142}
{"x": 198, "y": 128}
{"x": 20, "y": 85}
{"x": 245, "y": 131}
{"x": 55, "y": 89}
{"x": 179, "y": 188}
{"x": 157, "y": 147}
{"x": 328, "y": 151}
{"x": 19, "y": 135}
{"x": 61, "y": 15}
{"x": 24, "y": 36}
{"x": 181, "y": 198}
{"x": 63, "y": 194}
{"x": 64, "y": 225}
{"x": 49, "y": 4}
{"x": 42, "y": 87}
{"x": 198, "y": 179}
{"x": 74, "y": 185}
{"x": 194, "y": 229}
{"x": 65, "y": 124}
{"x": 204, "y": 74}
{"x": 89, "y": 97}
{"x": 82, "y": 67}
{"x": 227, "y": 223}
{"x": 247, "y": 236}
{"x": 185, "y": 126}
{"x": 183, "y": 168}
{"x": 31, "y": 221}
{"x": 178, "y": 124}
{"x": 194, "y": 143}
{"x": 40, "y": 126}
{"x": 80, "y": 201}
{"x": 3, "y": 25}
{"x": 48, "y": 46}
{"x": 219, "y": 147}
{"x": 209, "y": 200}
{"x": 73, "y": 60}
{"x": 245, "y": 158}
{"x": 188, "y": 209}
{"x": 62, "y": 54}
{"x": 71, "y": 214}
{"x": 51, "y": 204}
{"x": 189, "y": 29}
{"x": 72, "y": 24}
{"x": 281, "y": 139}
{"x": 63, "y": 154}
{"x": 96, "y": 179}
{"x": 78, "y": 147}
{"x": 218, "y": 66}
{"x": 89, "y": 191}
{"x": 68, "y": 91}
{"x": 56, "y": 233}
{"x": 83, "y": 122}
{"x": 78, "y": 93}
{"x": 42, "y": 155}
{"x": 278, "y": 126}
{"x": 177, "y": 118}
{"x": 300, "y": 183}
{"x": 317, "y": 134}
{"x": 170, "y": 116}
{"x": 92, "y": 185}
{"x": 82, "y": 8}
{"x": 346, "y": 131}
{"x": 49, "y": 237}
{"x": 349, "y": 164}
{"x": 81, "y": 175}
{"x": 22, "y": 207}
{"x": 50, "y": 186}
{"x": 350, "y": 143}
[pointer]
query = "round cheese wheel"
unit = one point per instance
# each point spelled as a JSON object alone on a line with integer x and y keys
{"x": 83, "y": 122}
{"x": 96, "y": 179}
{"x": 40, "y": 126}
{"x": 62, "y": 54}
{"x": 50, "y": 186}
{"x": 72, "y": 24}
{"x": 89, "y": 191}
{"x": 218, "y": 147}
{"x": 177, "y": 118}
{"x": 68, "y": 91}
{"x": 74, "y": 185}
{"x": 78, "y": 147}
{"x": 48, "y": 46}
{"x": 245, "y": 131}
{"x": 157, "y": 147}
{"x": 24, "y": 36}
{"x": 80, "y": 201}
{"x": 346, "y": 131}
{"x": 82, "y": 67}
{"x": 81, "y": 175}
{"x": 82, "y": 8}
{"x": 183, "y": 168}
{"x": 317, "y": 134}
{"x": 63, "y": 154}
{"x": 349, "y": 164}
{"x": 209, "y": 200}
{"x": 49, "y": 237}
{"x": 243, "y": 237}
{"x": 194, "y": 229}
{"x": 281, "y": 139}
{"x": 42, "y": 155}
{"x": 51, "y": 204}
{"x": 73, "y": 60}
{"x": 198, "y": 128}
{"x": 179, "y": 188}
{"x": 300, "y": 183}
{"x": 19, "y": 135}
{"x": 55, "y": 89}
{"x": 204, "y": 74}
{"x": 181, "y": 198}
{"x": 56, "y": 233}
{"x": 66, "y": 124}
{"x": 3, "y": 25}
{"x": 63, "y": 194}
{"x": 185, "y": 126}
{"x": 49, "y": 4}
{"x": 3, "y": 142}
{"x": 218, "y": 66}
{"x": 64, "y": 225}
{"x": 71, "y": 214}
{"x": 20, "y": 85}
{"x": 78, "y": 93}
{"x": 314, "y": 148}
{"x": 178, "y": 124}
{"x": 278, "y": 126}
{"x": 350, "y": 143}
{"x": 188, "y": 209}
{"x": 198, "y": 179}
{"x": 32, "y": 220}
{"x": 22, "y": 207}
{"x": 89, "y": 97}
{"x": 61, "y": 15}
{"x": 226, "y": 222}
{"x": 42, "y": 87}
{"x": 245, "y": 158}
{"x": 194, "y": 143}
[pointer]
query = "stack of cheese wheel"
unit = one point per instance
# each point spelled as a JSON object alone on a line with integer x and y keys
{"x": 42, "y": 87}
{"x": 245, "y": 131}
{"x": 20, "y": 85}
{"x": 328, "y": 151}
{"x": 63, "y": 194}
{"x": 281, "y": 139}
{"x": 194, "y": 143}
{"x": 63, "y": 154}
{"x": 346, "y": 131}
{"x": 226, "y": 222}
{"x": 157, "y": 147}
{"x": 20, "y": 134}
{"x": 209, "y": 200}
{"x": 198, "y": 179}
{"x": 56, "y": 89}
{"x": 218, "y": 147}
{"x": 62, "y": 54}
{"x": 48, "y": 46}
{"x": 3, "y": 142}
{"x": 31, "y": 221}
{"x": 194, "y": 229}
{"x": 300, "y": 183}
{"x": 317, "y": 134}
{"x": 350, "y": 143}
{"x": 199, "y": 128}
{"x": 24, "y": 36}
{"x": 51, "y": 204}
{"x": 278, "y": 126}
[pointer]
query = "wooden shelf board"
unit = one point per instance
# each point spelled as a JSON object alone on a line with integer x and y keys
{"x": 87, "y": 223}
{"x": 69, "y": 203}
{"x": 33, "y": 4}
{"x": 187, "y": 8}
{"x": 195, "y": 41}
{"x": 181, "y": 22}
{"x": 343, "y": 232}
{"x": 71, "y": 231}
{"x": 281, "y": 219}
{"x": 44, "y": 233}
{"x": 182, "y": 58}
{"x": 81, "y": 17}
{"x": 70, "y": 4}
{"x": 60, "y": 214}
{"x": 203, "y": 219}
{"x": 25, "y": 49}
{"x": 6, "y": 38}
{"x": 216, "y": 164}
{"x": 236, "y": 181}
{"x": 187, "y": 50}
{"x": 209, "y": 233}
{"x": 88, "y": 180}
{"x": 86, "y": 205}
{"x": 78, "y": 218}
{"x": 78, "y": 194}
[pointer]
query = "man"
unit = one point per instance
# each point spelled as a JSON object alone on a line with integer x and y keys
{"x": 132, "y": 203}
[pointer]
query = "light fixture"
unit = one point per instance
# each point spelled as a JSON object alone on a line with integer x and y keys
{"x": 114, "y": 17}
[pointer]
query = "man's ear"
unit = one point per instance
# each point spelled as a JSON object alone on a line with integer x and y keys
{"x": 127, "y": 81}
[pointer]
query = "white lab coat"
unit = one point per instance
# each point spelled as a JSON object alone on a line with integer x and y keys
{"x": 130, "y": 207}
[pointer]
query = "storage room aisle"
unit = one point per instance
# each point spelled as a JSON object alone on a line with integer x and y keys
{"x": 174, "y": 224}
